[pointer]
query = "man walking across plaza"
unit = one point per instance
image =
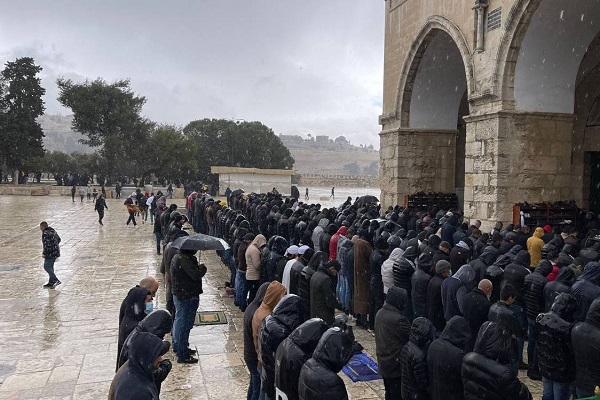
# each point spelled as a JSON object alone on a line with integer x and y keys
{"x": 51, "y": 251}
{"x": 100, "y": 206}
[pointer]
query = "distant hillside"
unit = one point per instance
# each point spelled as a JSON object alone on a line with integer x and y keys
{"x": 315, "y": 155}
{"x": 321, "y": 155}
{"x": 59, "y": 136}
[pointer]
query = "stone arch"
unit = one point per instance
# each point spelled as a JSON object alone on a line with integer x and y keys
{"x": 417, "y": 50}
{"x": 539, "y": 55}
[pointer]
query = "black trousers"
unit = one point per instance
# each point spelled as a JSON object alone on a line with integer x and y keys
{"x": 393, "y": 388}
{"x": 252, "y": 289}
{"x": 131, "y": 219}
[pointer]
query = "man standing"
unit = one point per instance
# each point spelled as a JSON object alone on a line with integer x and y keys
{"x": 100, "y": 206}
{"x": 73, "y": 190}
{"x": 51, "y": 251}
{"x": 333, "y": 193}
{"x": 186, "y": 285}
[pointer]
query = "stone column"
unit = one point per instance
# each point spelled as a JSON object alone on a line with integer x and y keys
{"x": 415, "y": 160}
{"x": 513, "y": 157}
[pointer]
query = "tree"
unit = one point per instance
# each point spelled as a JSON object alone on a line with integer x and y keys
{"x": 110, "y": 116}
{"x": 169, "y": 154}
{"x": 221, "y": 142}
{"x": 20, "y": 104}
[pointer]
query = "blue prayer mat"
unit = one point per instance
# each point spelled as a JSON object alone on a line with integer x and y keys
{"x": 361, "y": 368}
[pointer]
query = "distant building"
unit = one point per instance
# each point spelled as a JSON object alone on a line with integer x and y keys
{"x": 253, "y": 179}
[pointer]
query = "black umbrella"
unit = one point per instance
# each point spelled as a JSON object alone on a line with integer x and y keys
{"x": 237, "y": 191}
{"x": 199, "y": 242}
{"x": 367, "y": 199}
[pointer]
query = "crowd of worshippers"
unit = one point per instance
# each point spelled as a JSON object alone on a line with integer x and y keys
{"x": 450, "y": 306}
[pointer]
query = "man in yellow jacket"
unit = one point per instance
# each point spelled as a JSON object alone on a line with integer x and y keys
{"x": 534, "y": 246}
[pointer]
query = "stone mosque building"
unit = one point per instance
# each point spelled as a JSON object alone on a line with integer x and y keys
{"x": 497, "y": 101}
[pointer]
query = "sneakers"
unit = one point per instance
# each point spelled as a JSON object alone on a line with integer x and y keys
{"x": 187, "y": 360}
{"x": 56, "y": 284}
{"x": 48, "y": 285}
{"x": 191, "y": 352}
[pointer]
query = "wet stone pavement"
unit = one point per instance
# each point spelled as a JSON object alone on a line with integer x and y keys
{"x": 61, "y": 344}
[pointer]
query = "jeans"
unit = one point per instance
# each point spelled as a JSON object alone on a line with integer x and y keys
{"x": 252, "y": 289}
{"x": 582, "y": 393}
{"x": 532, "y": 361}
{"x": 185, "y": 313}
{"x": 241, "y": 290}
{"x": 159, "y": 237}
{"x": 343, "y": 293}
{"x": 254, "y": 388}
{"x": 49, "y": 267}
{"x": 521, "y": 316}
{"x": 556, "y": 390}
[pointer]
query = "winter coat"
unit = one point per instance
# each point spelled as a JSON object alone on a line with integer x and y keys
{"x": 362, "y": 277}
{"x": 304, "y": 286}
{"x": 435, "y": 307}
{"x": 392, "y": 329}
{"x": 502, "y": 314}
{"x": 136, "y": 381}
{"x": 487, "y": 373}
{"x": 286, "y": 316}
{"x": 186, "y": 275}
{"x": 586, "y": 289}
{"x": 586, "y": 346}
{"x": 562, "y": 284}
{"x": 459, "y": 256}
{"x": 404, "y": 269}
{"x": 515, "y": 273}
{"x": 486, "y": 258}
{"x": 413, "y": 358}
{"x": 553, "y": 330}
{"x": 476, "y": 308}
{"x": 387, "y": 269}
{"x": 375, "y": 263}
{"x": 319, "y": 379}
{"x": 454, "y": 290}
{"x": 134, "y": 312}
{"x": 419, "y": 284}
{"x": 448, "y": 230}
{"x": 534, "y": 290}
{"x": 323, "y": 301}
{"x": 444, "y": 360}
{"x": 253, "y": 258}
{"x": 250, "y": 355}
{"x": 293, "y": 352}
{"x": 334, "y": 242}
{"x": 534, "y": 246}
{"x": 318, "y": 232}
{"x": 295, "y": 276}
{"x": 440, "y": 255}
{"x": 158, "y": 322}
{"x": 275, "y": 291}
{"x": 50, "y": 243}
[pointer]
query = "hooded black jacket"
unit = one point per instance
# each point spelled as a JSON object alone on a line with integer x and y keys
{"x": 555, "y": 354}
{"x": 293, "y": 352}
{"x": 534, "y": 289}
{"x": 586, "y": 289}
{"x": 250, "y": 355}
{"x": 562, "y": 284}
{"x": 586, "y": 346}
{"x": 136, "y": 380}
{"x": 444, "y": 360}
{"x": 502, "y": 314}
{"x": 134, "y": 312}
{"x": 392, "y": 329}
{"x": 486, "y": 372}
{"x": 415, "y": 376}
{"x": 476, "y": 307}
{"x": 420, "y": 282}
{"x": 323, "y": 301}
{"x": 319, "y": 379}
{"x": 287, "y": 316}
{"x": 515, "y": 273}
{"x": 404, "y": 269}
{"x": 486, "y": 258}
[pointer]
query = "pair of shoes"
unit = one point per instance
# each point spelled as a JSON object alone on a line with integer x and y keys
{"x": 534, "y": 375}
{"x": 48, "y": 285}
{"x": 191, "y": 352}
{"x": 55, "y": 284}
{"x": 187, "y": 360}
{"x": 522, "y": 365}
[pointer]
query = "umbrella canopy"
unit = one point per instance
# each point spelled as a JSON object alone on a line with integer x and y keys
{"x": 237, "y": 191}
{"x": 199, "y": 242}
{"x": 368, "y": 199}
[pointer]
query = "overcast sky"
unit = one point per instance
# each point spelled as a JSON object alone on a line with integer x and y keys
{"x": 299, "y": 66}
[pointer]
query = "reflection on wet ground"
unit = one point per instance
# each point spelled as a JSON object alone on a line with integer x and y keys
{"x": 61, "y": 344}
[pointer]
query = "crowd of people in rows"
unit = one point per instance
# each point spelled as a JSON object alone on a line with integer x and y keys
{"x": 450, "y": 306}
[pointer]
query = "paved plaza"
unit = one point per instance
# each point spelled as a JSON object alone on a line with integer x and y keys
{"x": 61, "y": 344}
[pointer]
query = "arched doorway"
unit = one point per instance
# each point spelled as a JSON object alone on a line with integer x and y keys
{"x": 432, "y": 101}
